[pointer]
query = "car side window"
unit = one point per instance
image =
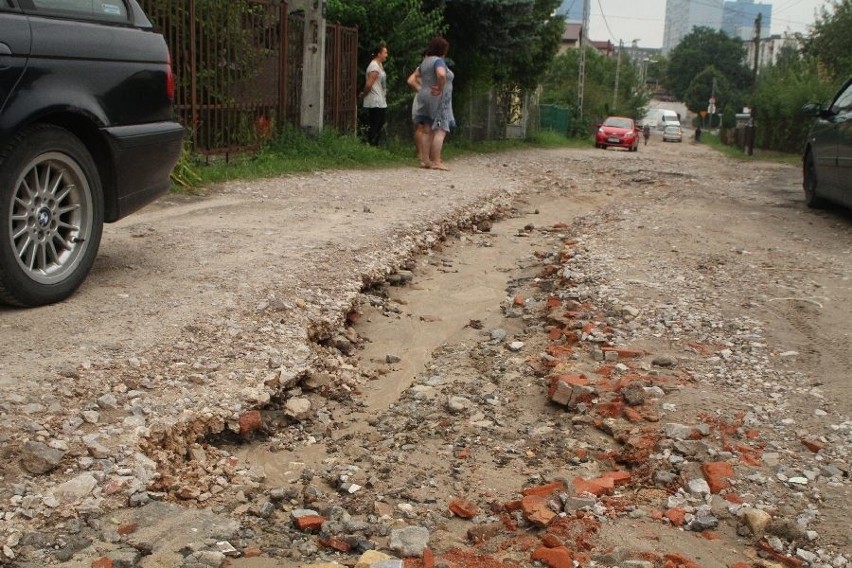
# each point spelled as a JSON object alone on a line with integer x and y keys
{"x": 100, "y": 10}
{"x": 843, "y": 103}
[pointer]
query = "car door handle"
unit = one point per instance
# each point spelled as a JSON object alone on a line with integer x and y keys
{"x": 5, "y": 51}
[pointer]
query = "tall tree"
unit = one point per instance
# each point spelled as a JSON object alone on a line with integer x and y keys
{"x": 781, "y": 91}
{"x": 503, "y": 41}
{"x": 559, "y": 85}
{"x": 700, "y": 49}
{"x": 830, "y": 41}
{"x": 405, "y": 26}
{"x": 702, "y": 87}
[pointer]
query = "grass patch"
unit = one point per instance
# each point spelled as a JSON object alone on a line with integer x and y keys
{"x": 712, "y": 140}
{"x": 295, "y": 152}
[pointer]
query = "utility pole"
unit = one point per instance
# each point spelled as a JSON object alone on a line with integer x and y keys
{"x": 617, "y": 73}
{"x": 581, "y": 81}
{"x": 750, "y": 129}
{"x": 757, "y": 22}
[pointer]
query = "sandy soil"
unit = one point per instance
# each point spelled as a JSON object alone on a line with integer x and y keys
{"x": 674, "y": 247}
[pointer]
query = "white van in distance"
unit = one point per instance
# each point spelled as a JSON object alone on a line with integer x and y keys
{"x": 667, "y": 118}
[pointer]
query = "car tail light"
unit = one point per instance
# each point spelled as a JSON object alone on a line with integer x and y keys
{"x": 170, "y": 80}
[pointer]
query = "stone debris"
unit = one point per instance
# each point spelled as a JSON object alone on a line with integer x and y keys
{"x": 616, "y": 433}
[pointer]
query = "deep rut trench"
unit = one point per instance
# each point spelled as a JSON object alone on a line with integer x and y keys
{"x": 188, "y": 452}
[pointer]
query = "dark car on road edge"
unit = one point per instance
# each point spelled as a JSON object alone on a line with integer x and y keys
{"x": 87, "y": 136}
{"x": 827, "y": 157}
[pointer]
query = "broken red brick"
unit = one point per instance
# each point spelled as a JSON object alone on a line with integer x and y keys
{"x": 632, "y": 414}
{"x": 428, "y": 558}
{"x": 788, "y": 561}
{"x": 610, "y": 409}
{"x": 717, "y": 474}
{"x": 463, "y": 508}
{"x": 252, "y": 552}
{"x": 813, "y": 445}
{"x": 250, "y": 421}
{"x": 553, "y": 303}
{"x": 550, "y": 540}
{"x": 570, "y": 389}
{"x": 625, "y": 353}
{"x": 127, "y": 528}
{"x": 674, "y": 560}
{"x": 597, "y": 486}
{"x": 676, "y": 515}
{"x": 606, "y": 371}
{"x": 544, "y": 490}
{"x": 335, "y": 543}
{"x": 700, "y": 348}
{"x": 508, "y": 522}
{"x": 559, "y": 351}
{"x": 637, "y": 448}
{"x": 309, "y": 522}
{"x": 559, "y": 557}
{"x": 514, "y": 505}
{"x": 103, "y": 562}
{"x": 619, "y": 478}
{"x": 536, "y": 510}
{"x": 733, "y": 498}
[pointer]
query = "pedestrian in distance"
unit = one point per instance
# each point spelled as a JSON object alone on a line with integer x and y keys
{"x": 375, "y": 95}
{"x": 697, "y": 133}
{"x": 434, "y": 104}
{"x": 646, "y": 132}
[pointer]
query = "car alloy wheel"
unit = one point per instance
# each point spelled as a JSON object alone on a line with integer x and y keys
{"x": 52, "y": 217}
{"x": 809, "y": 183}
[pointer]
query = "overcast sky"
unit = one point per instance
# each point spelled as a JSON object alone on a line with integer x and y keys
{"x": 643, "y": 19}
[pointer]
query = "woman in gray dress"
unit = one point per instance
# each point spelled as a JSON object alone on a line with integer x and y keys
{"x": 434, "y": 104}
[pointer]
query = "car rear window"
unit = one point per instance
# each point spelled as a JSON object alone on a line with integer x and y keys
{"x": 100, "y": 10}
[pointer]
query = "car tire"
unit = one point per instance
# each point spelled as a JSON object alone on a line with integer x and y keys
{"x": 809, "y": 183}
{"x": 51, "y": 216}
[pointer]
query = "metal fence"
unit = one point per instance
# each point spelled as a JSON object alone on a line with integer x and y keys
{"x": 238, "y": 69}
{"x": 341, "y": 78}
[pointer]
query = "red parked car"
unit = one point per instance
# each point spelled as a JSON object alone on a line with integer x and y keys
{"x": 618, "y": 131}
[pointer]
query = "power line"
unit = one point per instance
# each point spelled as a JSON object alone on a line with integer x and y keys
{"x": 611, "y": 35}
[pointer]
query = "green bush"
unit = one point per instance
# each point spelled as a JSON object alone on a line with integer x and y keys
{"x": 729, "y": 117}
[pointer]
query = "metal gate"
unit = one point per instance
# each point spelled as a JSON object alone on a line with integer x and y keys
{"x": 238, "y": 67}
{"x": 341, "y": 79}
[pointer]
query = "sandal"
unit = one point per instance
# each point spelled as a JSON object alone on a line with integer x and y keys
{"x": 440, "y": 166}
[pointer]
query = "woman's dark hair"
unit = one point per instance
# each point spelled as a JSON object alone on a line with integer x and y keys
{"x": 438, "y": 46}
{"x": 378, "y": 49}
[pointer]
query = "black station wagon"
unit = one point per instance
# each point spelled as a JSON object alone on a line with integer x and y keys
{"x": 87, "y": 136}
{"x": 827, "y": 158}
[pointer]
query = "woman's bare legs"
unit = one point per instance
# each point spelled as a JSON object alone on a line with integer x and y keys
{"x": 435, "y": 147}
{"x": 423, "y": 136}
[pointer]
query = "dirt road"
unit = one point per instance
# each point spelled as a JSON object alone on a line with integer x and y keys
{"x": 654, "y": 347}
